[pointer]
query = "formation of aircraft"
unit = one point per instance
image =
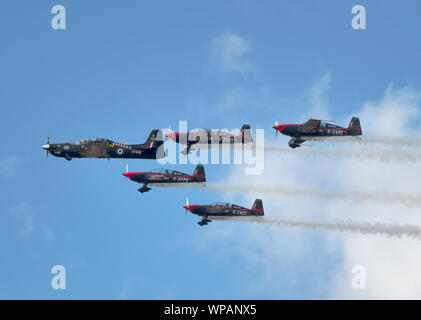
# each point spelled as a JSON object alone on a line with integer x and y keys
{"x": 203, "y": 137}
{"x": 162, "y": 177}
{"x": 223, "y": 209}
{"x": 104, "y": 148}
{"x": 313, "y": 129}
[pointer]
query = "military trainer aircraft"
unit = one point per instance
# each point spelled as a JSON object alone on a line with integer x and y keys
{"x": 210, "y": 137}
{"x": 222, "y": 209}
{"x": 315, "y": 129}
{"x": 104, "y": 148}
{"x": 162, "y": 177}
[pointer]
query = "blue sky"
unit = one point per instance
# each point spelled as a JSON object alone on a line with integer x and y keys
{"x": 120, "y": 70}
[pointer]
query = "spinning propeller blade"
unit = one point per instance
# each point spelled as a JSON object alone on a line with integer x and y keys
{"x": 47, "y": 146}
{"x": 187, "y": 204}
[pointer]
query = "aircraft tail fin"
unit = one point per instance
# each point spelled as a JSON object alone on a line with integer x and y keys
{"x": 155, "y": 144}
{"x": 153, "y": 148}
{"x": 199, "y": 171}
{"x": 258, "y": 205}
{"x": 154, "y": 140}
{"x": 246, "y": 133}
{"x": 355, "y": 126}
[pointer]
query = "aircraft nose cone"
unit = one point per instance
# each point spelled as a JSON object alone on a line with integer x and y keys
{"x": 46, "y": 146}
{"x": 129, "y": 175}
{"x": 191, "y": 207}
{"x": 170, "y": 135}
{"x": 280, "y": 127}
{"x": 173, "y": 136}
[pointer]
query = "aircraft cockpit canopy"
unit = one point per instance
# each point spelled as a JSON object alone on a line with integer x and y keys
{"x": 327, "y": 125}
{"x": 84, "y": 141}
{"x": 166, "y": 171}
{"x": 226, "y": 204}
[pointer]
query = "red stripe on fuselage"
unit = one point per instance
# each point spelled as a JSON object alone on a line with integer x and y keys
{"x": 132, "y": 174}
{"x": 281, "y": 127}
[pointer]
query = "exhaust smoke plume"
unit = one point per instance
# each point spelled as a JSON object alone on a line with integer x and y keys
{"x": 390, "y": 230}
{"x": 409, "y": 200}
{"x": 384, "y": 155}
{"x": 402, "y": 141}
{"x": 356, "y": 153}
{"x": 387, "y": 198}
{"x": 395, "y": 141}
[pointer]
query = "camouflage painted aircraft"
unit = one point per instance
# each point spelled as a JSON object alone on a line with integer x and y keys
{"x": 104, "y": 148}
{"x": 315, "y": 129}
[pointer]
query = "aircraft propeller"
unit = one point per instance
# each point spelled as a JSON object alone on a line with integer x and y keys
{"x": 187, "y": 204}
{"x": 276, "y": 130}
{"x": 127, "y": 169}
{"x": 46, "y": 146}
{"x": 168, "y": 130}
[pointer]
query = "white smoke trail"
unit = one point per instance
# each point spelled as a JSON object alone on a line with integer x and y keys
{"x": 402, "y": 141}
{"x": 391, "y": 155}
{"x": 396, "y": 141}
{"x": 179, "y": 185}
{"x": 391, "y": 230}
{"x": 385, "y": 155}
{"x": 409, "y": 200}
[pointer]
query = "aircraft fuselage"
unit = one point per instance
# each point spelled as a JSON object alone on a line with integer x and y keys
{"x": 152, "y": 177}
{"x": 99, "y": 149}
{"x": 104, "y": 148}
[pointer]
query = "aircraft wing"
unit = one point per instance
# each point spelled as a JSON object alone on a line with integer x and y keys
{"x": 310, "y": 126}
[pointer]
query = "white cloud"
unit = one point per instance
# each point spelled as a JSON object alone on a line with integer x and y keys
{"x": 392, "y": 269}
{"x": 392, "y": 264}
{"x": 22, "y": 212}
{"x": 234, "y": 99}
{"x": 47, "y": 233}
{"x": 24, "y": 217}
{"x": 228, "y": 53}
{"x": 399, "y": 110}
{"x": 317, "y": 96}
{"x": 8, "y": 165}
